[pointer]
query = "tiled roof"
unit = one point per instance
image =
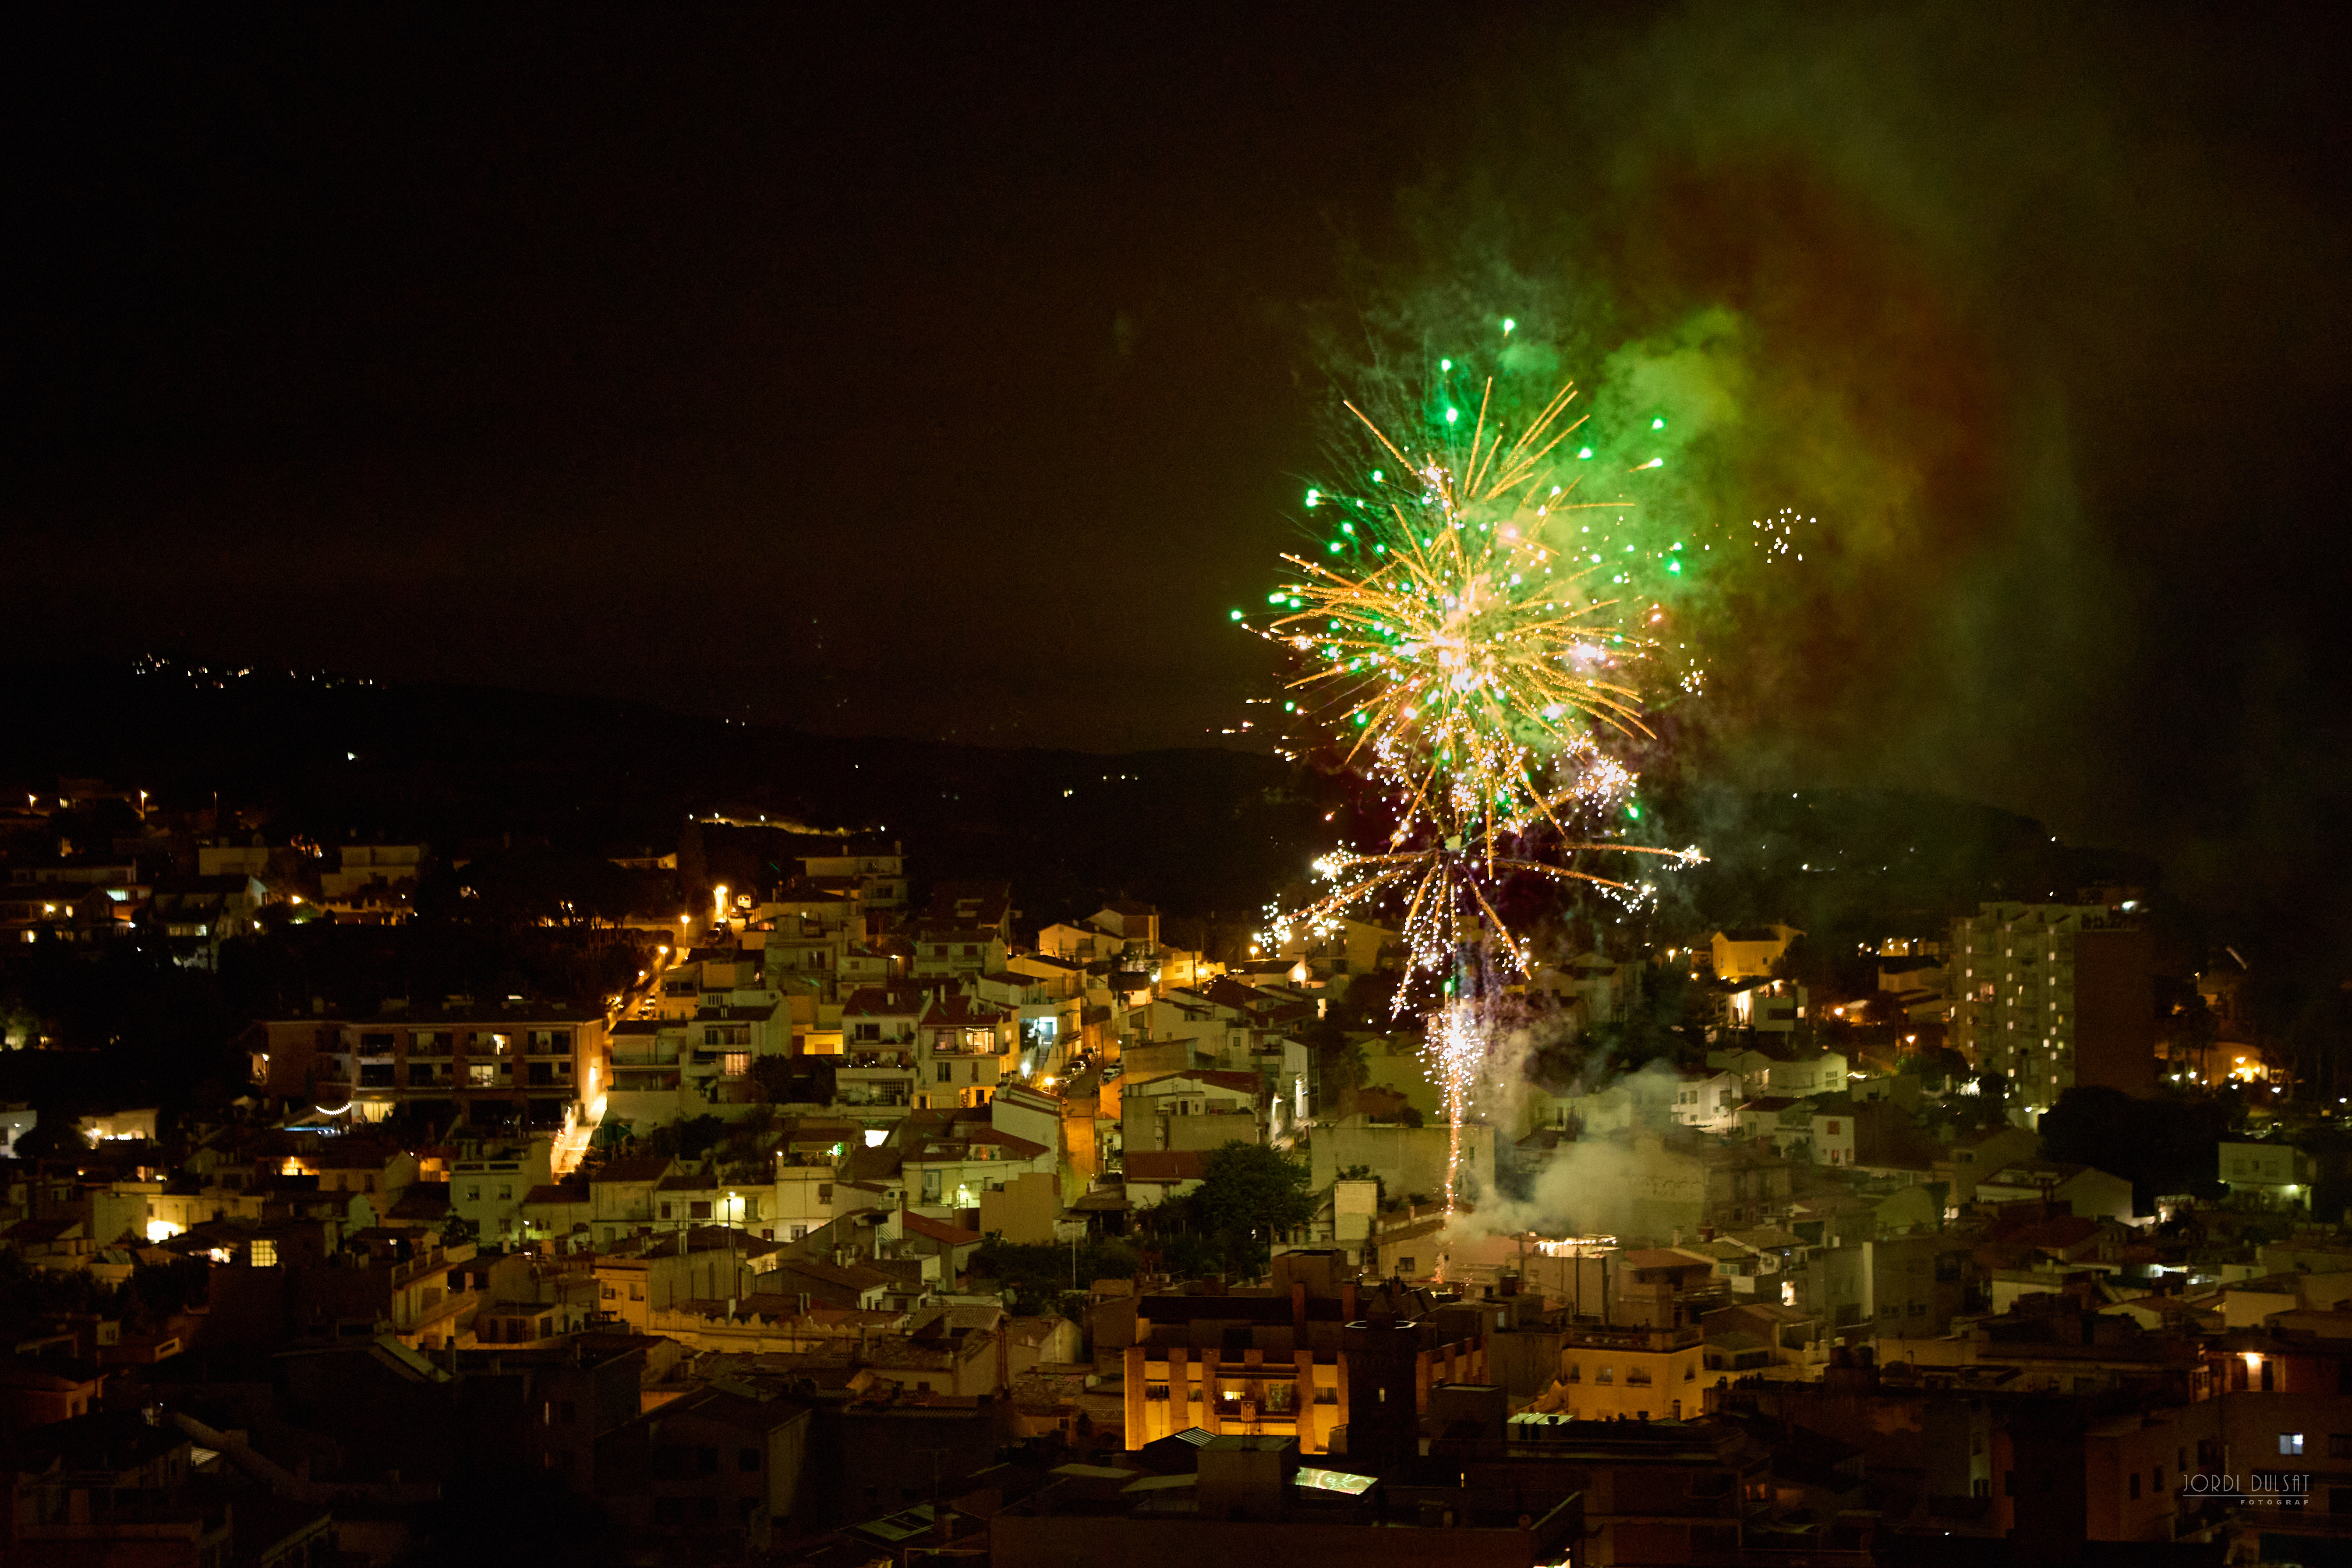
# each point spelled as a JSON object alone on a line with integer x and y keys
{"x": 1167, "y": 1164}
{"x": 573, "y": 1191}
{"x": 1250, "y": 1081}
{"x": 938, "y": 1230}
{"x": 1017, "y": 1148}
{"x": 1665, "y": 1258}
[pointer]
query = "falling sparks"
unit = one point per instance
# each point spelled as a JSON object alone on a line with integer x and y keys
{"x": 1472, "y": 646}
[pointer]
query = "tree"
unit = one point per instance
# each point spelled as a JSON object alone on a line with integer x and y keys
{"x": 2158, "y": 1145}
{"x": 795, "y": 1080}
{"x": 1935, "y": 1067}
{"x": 774, "y": 1077}
{"x": 1339, "y": 1072}
{"x": 1185, "y": 1256}
{"x": 1250, "y": 1195}
{"x": 686, "y": 1140}
{"x": 1993, "y": 1100}
{"x": 1036, "y": 1276}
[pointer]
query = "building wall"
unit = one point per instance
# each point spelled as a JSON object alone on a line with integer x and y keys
{"x": 2114, "y": 1000}
{"x": 2258, "y": 1164}
{"x": 1742, "y": 960}
{"x": 1279, "y": 1390}
{"x": 1055, "y": 1540}
{"x": 1608, "y": 1384}
{"x": 803, "y": 1199}
{"x": 1396, "y": 1063}
{"x": 1024, "y": 1209}
{"x": 1409, "y": 1159}
{"x": 1914, "y": 1283}
{"x": 2053, "y": 996}
{"x": 2132, "y": 1473}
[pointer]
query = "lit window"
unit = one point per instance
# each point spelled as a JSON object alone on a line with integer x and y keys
{"x": 2289, "y": 1442}
{"x": 265, "y": 1256}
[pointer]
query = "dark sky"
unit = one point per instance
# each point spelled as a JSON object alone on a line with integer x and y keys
{"x": 925, "y": 373}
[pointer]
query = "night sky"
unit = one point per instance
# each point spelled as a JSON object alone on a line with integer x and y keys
{"x": 935, "y": 375}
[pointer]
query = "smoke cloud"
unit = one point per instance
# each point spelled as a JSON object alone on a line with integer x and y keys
{"x": 2016, "y": 310}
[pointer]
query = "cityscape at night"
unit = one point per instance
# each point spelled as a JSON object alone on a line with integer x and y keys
{"x": 1522, "y": 786}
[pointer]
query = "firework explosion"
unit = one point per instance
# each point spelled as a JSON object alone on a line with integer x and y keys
{"x": 1471, "y": 664}
{"x": 1464, "y": 646}
{"x": 1466, "y": 651}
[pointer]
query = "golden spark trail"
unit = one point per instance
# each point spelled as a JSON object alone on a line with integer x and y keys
{"x": 1457, "y": 638}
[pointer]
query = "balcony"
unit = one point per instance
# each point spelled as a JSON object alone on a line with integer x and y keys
{"x": 438, "y": 1258}
{"x": 1589, "y": 1333}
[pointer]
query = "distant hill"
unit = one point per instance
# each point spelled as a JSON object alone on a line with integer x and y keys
{"x": 1196, "y": 830}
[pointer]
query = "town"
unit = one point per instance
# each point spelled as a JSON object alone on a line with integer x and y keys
{"x": 798, "y": 1205}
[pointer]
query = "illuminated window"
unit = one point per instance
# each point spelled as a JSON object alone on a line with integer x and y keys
{"x": 265, "y": 1256}
{"x": 735, "y": 1063}
{"x": 2289, "y": 1442}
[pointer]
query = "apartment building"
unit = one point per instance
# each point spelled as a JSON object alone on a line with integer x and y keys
{"x": 960, "y": 1045}
{"x": 1290, "y": 1361}
{"x": 2055, "y": 995}
{"x": 879, "y": 875}
{"x": 531, "y": 1061}
{"x": 1629, "y": 1373}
